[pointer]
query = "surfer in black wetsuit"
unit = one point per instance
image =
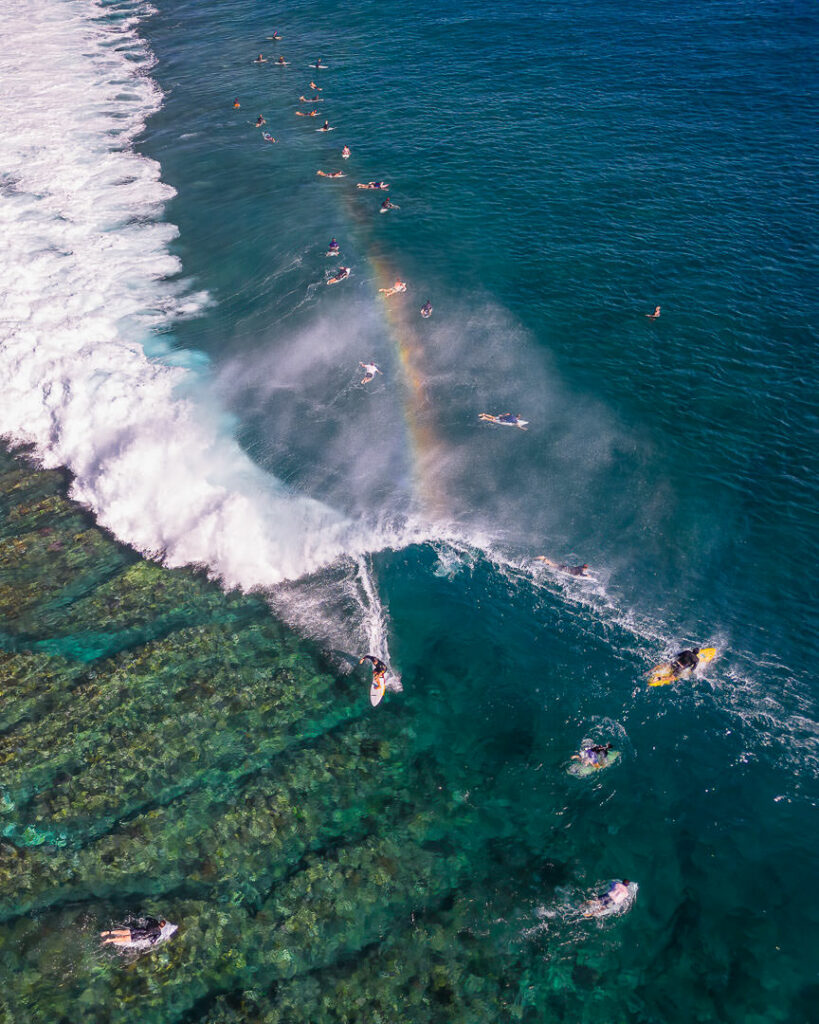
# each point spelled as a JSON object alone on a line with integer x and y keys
{"x": 147, "y": 932}
{"x": 379, "y": 668}
{"x": 686, "y": 660}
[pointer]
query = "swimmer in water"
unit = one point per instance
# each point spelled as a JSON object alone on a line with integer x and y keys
{"x": 593, "y": 757}
{"x": 260, "y": 60}
{"x": 370, "y": 370}
{"x": 260, "y": 121}
{"x": 147, "y": 933}
{"x": 426, "y": 310}
{"x": 331, "y": 174}
{"x": 686, "y": 661}
{"x": 616, "y": 896}
{"x": 399, "y": 286}
{"x": 236, "y": 104}
{"x": 313, "y": 99}
{"x": 379, "y": 668}
{"x": 345, "y": 152}
{"x": 572, "y": 570}
{"x": 655, "y": 315}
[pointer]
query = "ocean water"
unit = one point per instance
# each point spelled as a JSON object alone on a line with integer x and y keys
{"x": 168, "y": 337}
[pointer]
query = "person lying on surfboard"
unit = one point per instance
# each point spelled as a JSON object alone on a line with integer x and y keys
{"x": 572, "y": 570}
{"x": 594, "y": 757}
{"x": 655, "y": 315}
{"x": 306, "y": 113}
{"x": 148, "y": 932}
{"x": 399, "y": 286}
{"x": 682, "y": 664}
{"x": 387, "y": 205}
{"x": 313, "y": 99}
{"x": 341, "y": 274}
{"x": 616, "y": 896}
{"x": 267, "y": 137}
{"x": 370, "y": 370}
{"x": 315, "y": 88}
{"x": 506, "y": 419}
{"x": 281, "y": 61}
{"x": 331, "y": 174}
{"x": 373, "y": 185}
{"x": 426, "y": 310}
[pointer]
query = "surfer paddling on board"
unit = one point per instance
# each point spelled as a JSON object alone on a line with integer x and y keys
{"x": 682, "y": 664}
{"x": 572, "y": 570}
{"x": 594, "y": 757}
{"x": 506, "y": 419}
{"x": 313, "y": 99}
{"x": 616, "y": 897}
{"x": 345, "y": 153}
{"x": 399, "y": 286}
{"x": 306, "y": 113}
{"x": 341, "y": 275}
{"x": 260, "y": 121}
{"x": 315, "y": 88}
{"x": 373, "y": 185}
{"x": 387, "y": 205}
{"x": 267, "y": 137}
{"x": 148, "y": 932}
{"x": 655, "y": 315}
{"x": 426, "y": 310}
{"x": 331, "y": 174}
{"x": 333, "y": 249}
{"x": 370, "y": 370}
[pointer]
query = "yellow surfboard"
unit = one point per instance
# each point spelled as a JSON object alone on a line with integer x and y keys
{"x": 664, "y": 675}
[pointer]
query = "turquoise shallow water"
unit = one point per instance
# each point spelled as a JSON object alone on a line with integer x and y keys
{"x": 560, "y": 171}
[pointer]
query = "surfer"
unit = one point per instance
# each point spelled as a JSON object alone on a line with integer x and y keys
{"x": 306, "y": 113}
{"x": 345, "y": 152}
{"x": 370, "y": 370}
{"x": 313, "y": 99}
{"x": 615, "y": 896}
{"x": 379, "y": 668}
{"x": 281, "y": 61}
{"x": 572, "y": 570}
{"x": 594, "y": 757}
{"x": 426, "y": 310}
{"x": 260, "y": 60}
{"x": 314, "y": 87}
{"x": 655, "y": 315}
{"x": 331, "y": 174}
{"x": 399, "y": 286}
{"x": 267, "y": 137}
{"x": 341, "y": 274}
{"x": 325, "y": 127}
{"x": 373, "y": 185}
{"x": 236, "y": 103}
{"x": 686, "y": 661}
{"x": 387, "y": 205}
{"x": 333, "y": 248}
{"x": 148, "y": 932}
{"x": 260, "y": 121}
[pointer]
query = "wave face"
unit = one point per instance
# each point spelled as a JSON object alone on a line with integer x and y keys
{"x": 90, "y": 284}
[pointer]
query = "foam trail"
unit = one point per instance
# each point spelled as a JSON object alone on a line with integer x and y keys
{"x": 88, "y": 279}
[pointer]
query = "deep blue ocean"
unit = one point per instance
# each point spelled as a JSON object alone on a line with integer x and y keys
{"x": 560, "y": 169}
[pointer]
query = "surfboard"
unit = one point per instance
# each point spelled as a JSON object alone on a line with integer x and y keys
{"x": 426, "y": 313}
{"x": 582, "y": 771}
{"x": 664, "y": 674}
{"x": 377, "y": 690}
{"x": 333, "y": 252}
{"x": 321, "y": 67}
{"x": 275, "y": 39}
{"x": 325, "y": 129}
{"x": 387, "y": 210}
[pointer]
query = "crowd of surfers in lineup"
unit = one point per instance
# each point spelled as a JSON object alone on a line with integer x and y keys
{"x": 146, "y": 932}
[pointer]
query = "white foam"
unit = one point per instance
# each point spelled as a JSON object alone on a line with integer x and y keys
{"x": 87, "y": 279}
